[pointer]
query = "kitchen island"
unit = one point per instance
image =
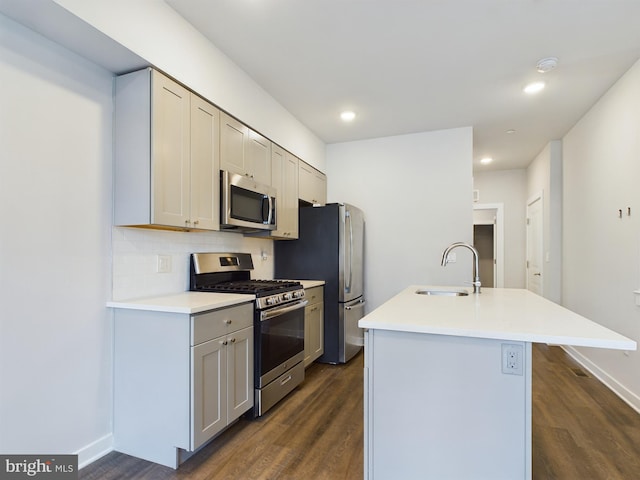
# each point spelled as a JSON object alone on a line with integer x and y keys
{"x": 448, "y": 380}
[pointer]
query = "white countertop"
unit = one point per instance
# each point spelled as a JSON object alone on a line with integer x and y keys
{"x": 186, "y": 302}
{"x": 497, "y": 313}
{"x": 311, "y": 283}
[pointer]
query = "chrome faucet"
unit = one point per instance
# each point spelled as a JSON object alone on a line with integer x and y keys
{"x": 476, "y": 270}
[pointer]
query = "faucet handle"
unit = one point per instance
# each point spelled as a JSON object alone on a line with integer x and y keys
{"x": 476, "y": 285}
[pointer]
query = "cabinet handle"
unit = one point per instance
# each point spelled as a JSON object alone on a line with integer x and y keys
{"x": 228, "y": 321}
{"x": 285, "y": 380}
{"x": 196, "y": 222}
{"x": 224, "y": 342}
{"x": 233, "y": 340}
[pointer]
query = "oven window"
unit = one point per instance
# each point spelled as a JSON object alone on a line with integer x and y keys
{"x": 281, "y": 338}
{"x": 247, "y": 205}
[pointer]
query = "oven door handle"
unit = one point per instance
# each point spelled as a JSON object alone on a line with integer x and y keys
{"x": 274, "y": 312}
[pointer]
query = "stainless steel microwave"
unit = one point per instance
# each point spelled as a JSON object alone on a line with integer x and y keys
{"x": 245, "y": 204}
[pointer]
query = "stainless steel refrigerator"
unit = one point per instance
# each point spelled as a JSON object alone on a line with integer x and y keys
{"x": 330, "y": 247}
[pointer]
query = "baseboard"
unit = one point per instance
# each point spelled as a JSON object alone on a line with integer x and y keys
{"x": 612, "y": 384}
{"x": 92, "y": 452}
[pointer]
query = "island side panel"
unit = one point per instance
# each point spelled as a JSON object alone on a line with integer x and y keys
{"x": 440, "y": 407}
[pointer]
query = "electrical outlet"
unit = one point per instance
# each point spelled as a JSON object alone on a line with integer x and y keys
{"x": 164, "y": 263}
{"x": 512, "y": 359}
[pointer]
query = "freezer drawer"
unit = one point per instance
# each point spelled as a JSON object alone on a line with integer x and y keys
{"x": 353, "y": 336}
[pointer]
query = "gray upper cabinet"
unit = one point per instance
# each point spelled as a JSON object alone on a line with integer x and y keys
{"x": 244, "y": 151}
{"x": 312, "y": 184}
{"x": 166, "y": 154}
{"x": 284, "y": 174}
{"x": 205, "y": 165}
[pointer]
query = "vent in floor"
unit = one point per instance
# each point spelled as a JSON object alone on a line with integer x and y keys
{"x": 578, "y": 372}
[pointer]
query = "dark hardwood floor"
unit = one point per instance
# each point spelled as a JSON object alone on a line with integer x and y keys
{"x": 581, "y": 430}
{"x": 316, "y": 433}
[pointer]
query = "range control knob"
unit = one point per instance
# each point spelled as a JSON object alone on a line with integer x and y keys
{"x": 287, "y": 296}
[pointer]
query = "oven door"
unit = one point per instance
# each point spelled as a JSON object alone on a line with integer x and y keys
{"x": 279, "y": 341}
{"x": 246, "y": 204}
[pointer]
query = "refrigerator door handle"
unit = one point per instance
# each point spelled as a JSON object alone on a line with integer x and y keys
{"x": 347, "y": 215}
{"x": 358, "y": 305}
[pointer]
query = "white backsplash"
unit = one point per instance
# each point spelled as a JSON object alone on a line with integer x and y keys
{"x": 135, "y": 258}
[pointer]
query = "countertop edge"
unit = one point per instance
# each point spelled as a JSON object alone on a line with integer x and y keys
{"x": 186, "y": 302}
{"x": 501, "y": 314}
{"x": 306, "y": 284}
{"x": 507, "y": 336}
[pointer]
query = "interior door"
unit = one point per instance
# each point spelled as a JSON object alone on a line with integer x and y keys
{"x": 534, "y": 245}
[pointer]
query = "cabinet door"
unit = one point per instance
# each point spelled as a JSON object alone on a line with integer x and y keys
{"x": 312, "y": 185}
{"x": 259, "y": 158}
{"x": 320, "y": 187}
{"x": 205, "y": 165}
{"x": 209, "y": 385}
{"x": 290, "y": 195}
{"x": 233, "y": 137}
{"x": 170, "y": 151}
{"x": 240, "y": 377}
{"x": 284, "y": 178}
{"x": 313, "y": 333}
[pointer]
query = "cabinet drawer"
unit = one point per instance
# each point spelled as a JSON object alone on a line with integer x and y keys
{"x": 215, "y": 323}
{"x": 314, "y": 294}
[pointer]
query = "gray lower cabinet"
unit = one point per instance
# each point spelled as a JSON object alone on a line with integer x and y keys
{"x": 313, "y": 325}
{"x": 179, "y": 379}
{"x": 222, "y": 369}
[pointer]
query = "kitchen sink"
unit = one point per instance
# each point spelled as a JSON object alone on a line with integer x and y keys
{"x": 446, "y": 293}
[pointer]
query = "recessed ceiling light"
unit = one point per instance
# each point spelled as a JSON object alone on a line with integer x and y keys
{"x": 348, "y": 116}
{"x": 511, "y": 131}
{"x": 486, "y": 160}
{"x": 534, "y": 87}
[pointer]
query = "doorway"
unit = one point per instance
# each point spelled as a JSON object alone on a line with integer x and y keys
{"x": 484, "y": 241}
{"x": 488, "y": 238}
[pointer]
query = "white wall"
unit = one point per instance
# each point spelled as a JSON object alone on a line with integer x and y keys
{"x": 601, "y": 252}
{"x": 56, "y": 116}
{"x": 508, "y": 187}
{"x": 416, "y": 194}
{"x": 135, "y": 252}
{"x": 544, "y": 174}
{"x": 55, "y": 242}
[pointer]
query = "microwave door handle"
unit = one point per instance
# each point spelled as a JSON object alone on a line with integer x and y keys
{"x": 270, "y": 216}
{"x": 266, "y": 199}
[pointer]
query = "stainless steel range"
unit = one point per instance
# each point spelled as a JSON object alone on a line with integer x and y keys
{"x": 278, "y": 321}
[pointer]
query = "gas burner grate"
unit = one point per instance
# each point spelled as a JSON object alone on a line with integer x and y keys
{"x": 258, "y": 287}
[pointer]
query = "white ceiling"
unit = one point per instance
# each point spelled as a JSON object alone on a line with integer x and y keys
{"x": 410, "y": 66}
